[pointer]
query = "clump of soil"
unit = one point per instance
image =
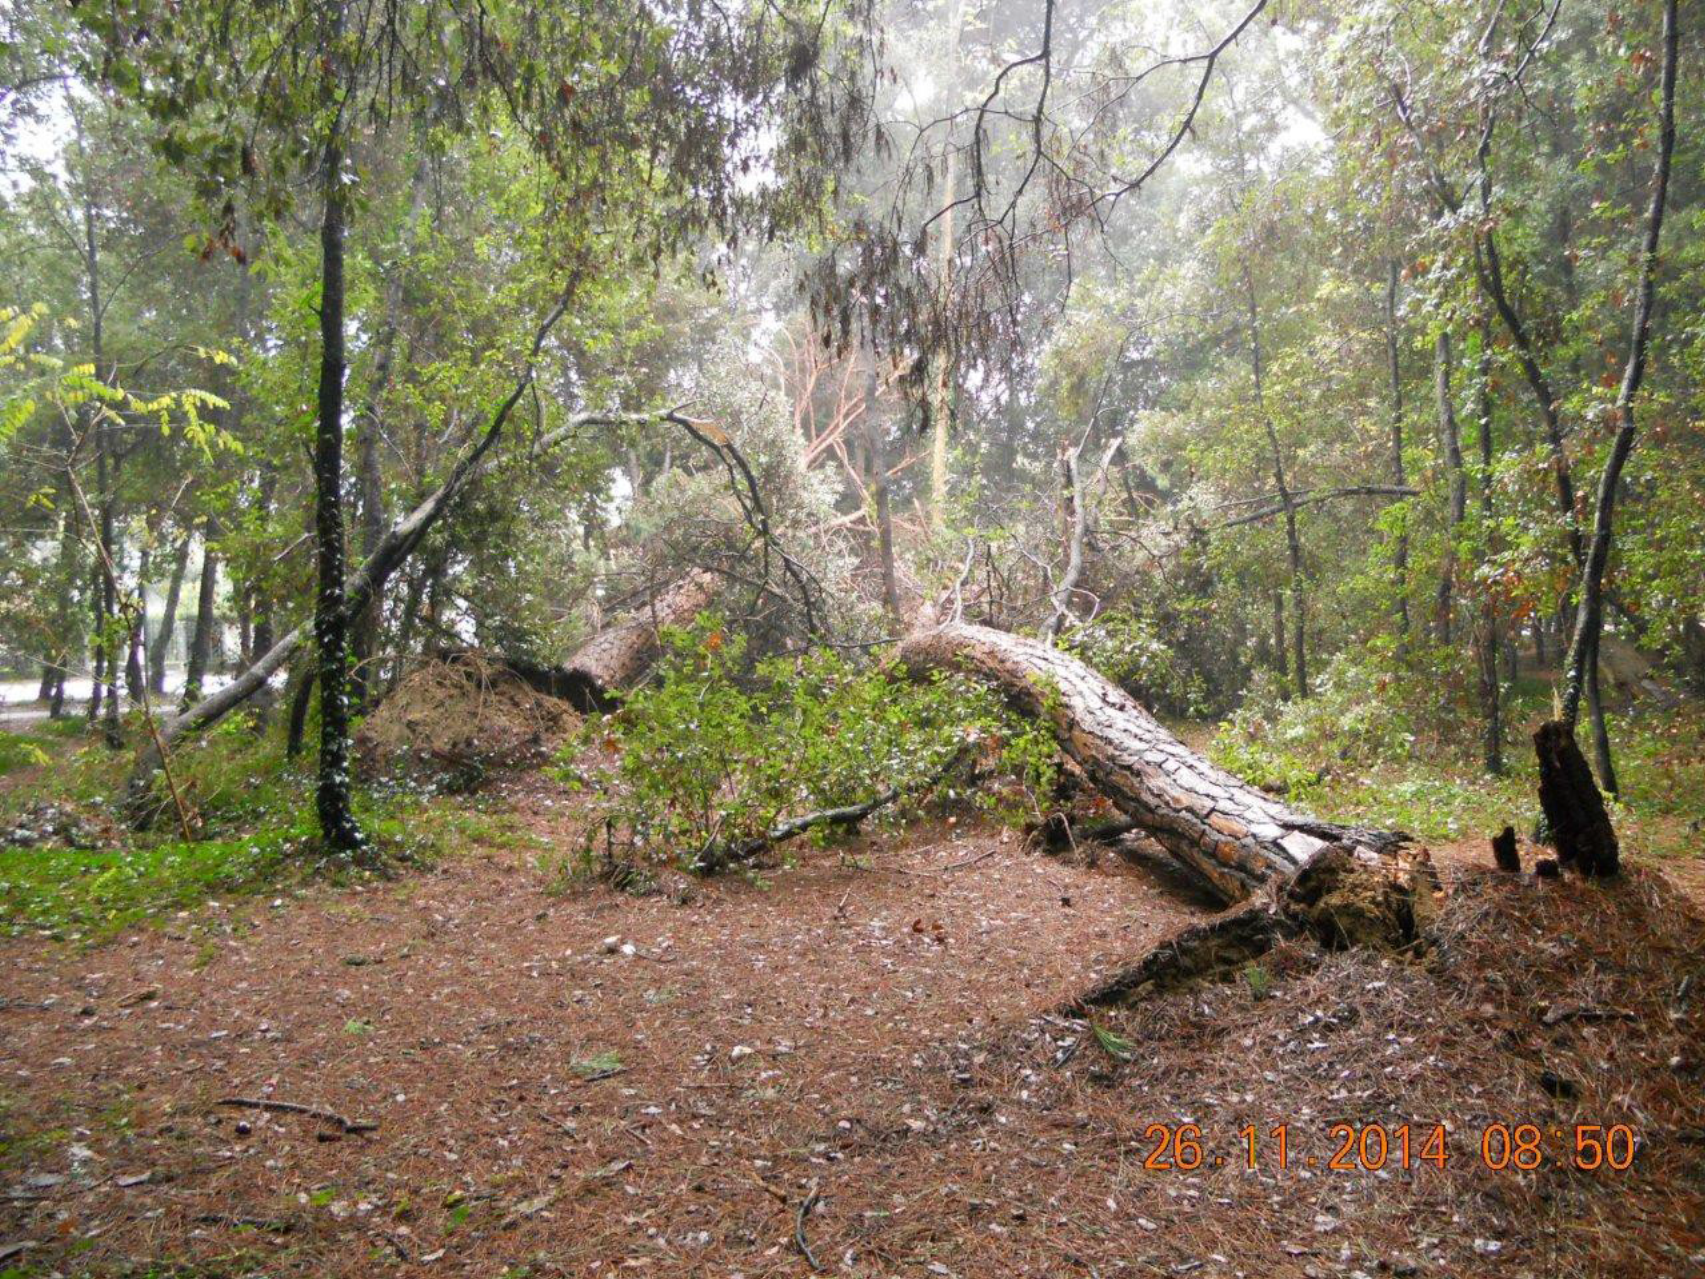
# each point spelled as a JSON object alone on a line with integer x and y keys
{"x": 460, "y": 721}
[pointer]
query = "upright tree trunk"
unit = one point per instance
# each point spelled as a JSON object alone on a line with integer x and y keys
{"x": 1393, "y": 352}
{"x": 1582, "y": 669}
{"x": 1233, "y": 836}
{"x": 137, "y": 633}
{"x": 97, "y": 650}
{"x": 941, "y": 408}
{"x": 875, "y": 433}
{"x": 1491, "y": 697}
{"x": 206, "y": 600}
{"x": 158, "y": 651}
{"x": 1293, "y": 540}
{"x": 1452, "y": 437}
{"x": 109, "y": 553}
{"x": 338, "y": 828}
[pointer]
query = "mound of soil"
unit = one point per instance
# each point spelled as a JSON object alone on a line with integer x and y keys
{"x": 460, "y": 721}
{"x": 1541, "y": 1018}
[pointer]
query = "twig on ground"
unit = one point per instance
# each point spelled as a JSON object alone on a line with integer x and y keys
{"x": 805, "y": 1207}
{"x": 296, "y": 1108}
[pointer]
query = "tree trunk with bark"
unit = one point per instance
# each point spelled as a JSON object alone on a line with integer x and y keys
{"x": 338, "y": 827}
{"x": 157, "y": 652}
{"x": 1582, "y": 666}
{"x": 201, "y": 638}
{"x": 1231, "y": 835}
{"x": 1451, "y": 435}
{"x": 615, "y": 658}
{"x": 1393, "y": 354}
{"x": 1491, "y": 695}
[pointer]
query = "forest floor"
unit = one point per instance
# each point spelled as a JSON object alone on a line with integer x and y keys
{"x": 848, "y": 1063}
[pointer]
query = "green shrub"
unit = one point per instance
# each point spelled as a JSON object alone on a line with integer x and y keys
{"x": 1128, "y": 649}
{"x": 718, "y": 750}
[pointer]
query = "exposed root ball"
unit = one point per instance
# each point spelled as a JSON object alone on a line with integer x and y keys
{"x": 1343, "y": 904}
{"x": 459, "y": 721}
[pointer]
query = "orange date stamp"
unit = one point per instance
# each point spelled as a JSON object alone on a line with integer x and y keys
{"x": 1371, "y": 1147}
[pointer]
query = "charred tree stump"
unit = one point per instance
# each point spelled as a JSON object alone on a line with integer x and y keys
{"x": 1574, "y": 810}
{"x": 1228, "y": 833}
{"x": 1504, "y": 853}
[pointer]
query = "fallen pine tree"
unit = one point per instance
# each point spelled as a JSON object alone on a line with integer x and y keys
{"x": 1231, "y": 835}
{"x": 618, "y": 656}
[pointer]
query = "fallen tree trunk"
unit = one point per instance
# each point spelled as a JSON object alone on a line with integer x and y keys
{"x": 1228, "y": 833}
{"x": 616, "y": 657}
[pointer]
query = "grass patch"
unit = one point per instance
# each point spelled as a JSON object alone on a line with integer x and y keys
{"x": 255, "y": 809}
{"x": 82, "y": 895}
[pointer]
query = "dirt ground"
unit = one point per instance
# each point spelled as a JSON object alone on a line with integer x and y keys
{"x": 848, "y": 1065}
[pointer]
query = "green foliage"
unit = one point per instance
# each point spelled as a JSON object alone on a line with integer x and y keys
{"x": 86, "y": 896}
{"x": 1128, "y": 649}
{"x": 1258, "y": 979}
{"x": 18, "y": 751}
{"x": 715, "y": 752}
{"x": 1114, "y": 1045}
{"x": 607, "y": 1062}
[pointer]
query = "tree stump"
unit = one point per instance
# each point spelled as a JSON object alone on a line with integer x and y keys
{"x": 1574, "y": 810}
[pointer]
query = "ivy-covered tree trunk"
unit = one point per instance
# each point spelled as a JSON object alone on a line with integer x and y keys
{"x": 338, "y": 828}
{"x": 1231, "y": 835}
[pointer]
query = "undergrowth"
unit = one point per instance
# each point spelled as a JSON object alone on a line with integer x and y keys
{"x": 1364, "y": 749}
{"x": 254, "y": 827}
{"x": 719, "y": 749}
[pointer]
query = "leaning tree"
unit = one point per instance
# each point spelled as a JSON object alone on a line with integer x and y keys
{"x": 668, "y": 117}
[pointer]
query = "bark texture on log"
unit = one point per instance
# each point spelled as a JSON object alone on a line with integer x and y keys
{"x": 1230, "y": 834}
{"x": 616, "y": 658}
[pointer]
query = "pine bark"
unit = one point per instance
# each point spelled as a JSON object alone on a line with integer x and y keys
{"x": 1234, "y": 837}
{"x": 615, "y": 658}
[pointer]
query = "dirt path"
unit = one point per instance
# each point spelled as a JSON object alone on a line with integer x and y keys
{"x": 460, "y": 1011}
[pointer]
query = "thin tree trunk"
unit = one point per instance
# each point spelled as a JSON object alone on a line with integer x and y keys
{"x": 1452, "y": 437}
{"x": 874, "y": 432}
{"x": 1491, "y": 698}
{"x": 1582, "y": 668}
{"x": 201, "y": 637}
{"x": 1393, "y": 352}
{"x": 338, "y": 828}
{"x": 1072, "y": 518}
{"x": 137, "y": 634}
{"x": 97, "y": 650}
{"x": 1293, "y": 541}
{"x": 158, "y": 652}
{"x": 941, "y": 409}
